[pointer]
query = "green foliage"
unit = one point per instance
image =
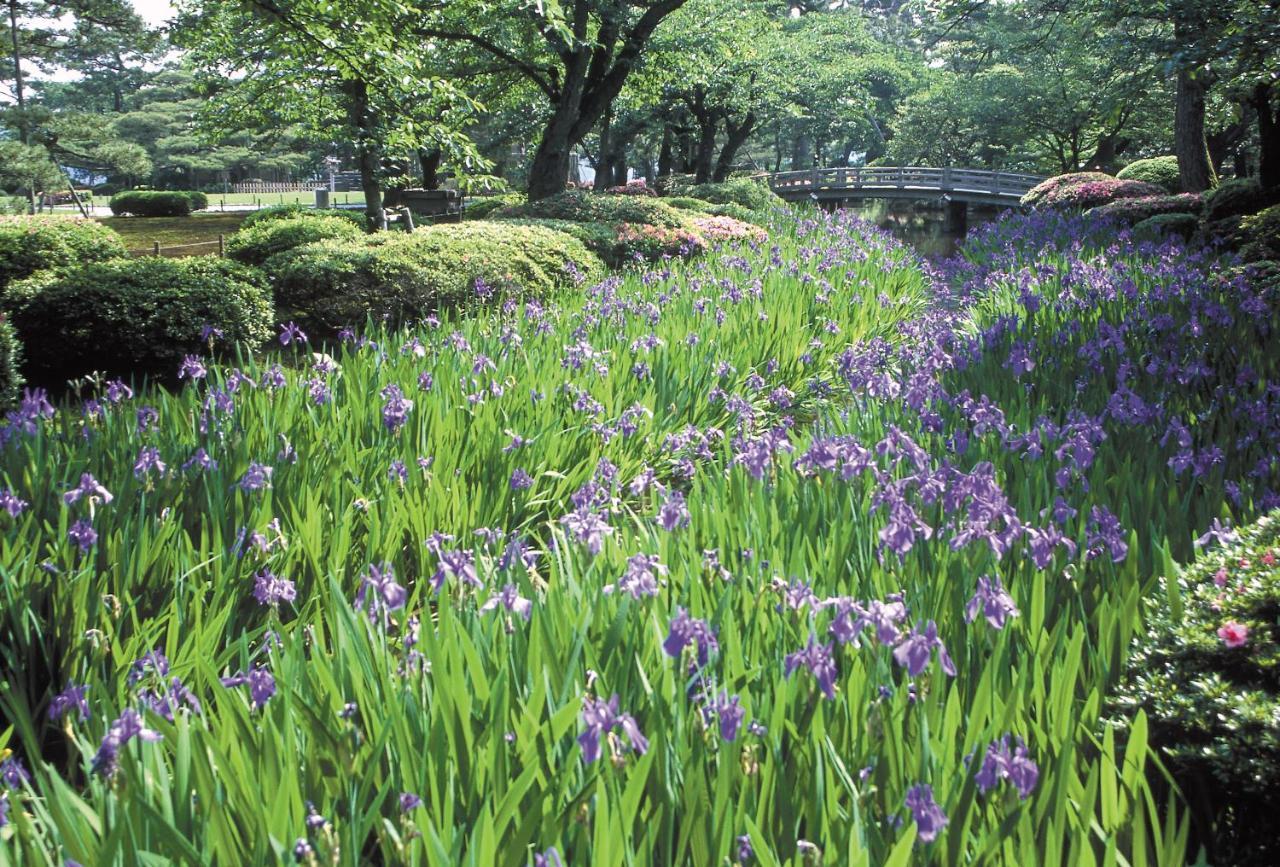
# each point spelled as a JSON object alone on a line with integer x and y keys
{"x": 599, "y": 238}
{"x": 1237, "y": 197}
{"x": 199, "y": 201}
{"x": 688, "y": 203}
{"x": 642, "y": 242}
{"x": 257, "y": 243}
{"x": 11, "y": 378}
{"x": 1134, "y": 210}
{"x": 130, "y": 317}
{"x": 151, "y": 203}
{"x": 1161, "y": 171}
{"x": 30, "y": 244}
{"x": 284, "y": 212}
{"x": 1261, "y": 235}
{"x": 583, "y": 207}
{"x": 752, "y": 194}
{"x": 1183, "y": 225}
{"x": 1037, "y": 195}
{"x": 342, "y": 282}
{"x": 483, "y": 207}
{"x": 741, "y": 213}
{"x": 1081, "y": 195}
{"x": 1213, "y": 708}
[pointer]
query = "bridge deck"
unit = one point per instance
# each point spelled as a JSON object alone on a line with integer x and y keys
{"x": 978, "y": 185}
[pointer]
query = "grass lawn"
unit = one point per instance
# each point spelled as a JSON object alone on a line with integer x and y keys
{"x": 140, "y": 234}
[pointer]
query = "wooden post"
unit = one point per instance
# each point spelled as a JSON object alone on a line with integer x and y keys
{"x": 155, "y": 249}
{"x": 222, "y": 245}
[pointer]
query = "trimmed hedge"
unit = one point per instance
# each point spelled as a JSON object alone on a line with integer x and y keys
{"x": 330, "y": 284}
{"x": 483, "y": 208}
{"x": 1183, "y": 225}
{"x": 254, "y": 245}
{"x": 1236, "y": 198}
{"x": 583, "y": 207}
{"x": 31, "y": 244}
{"x": 751, "y": 194}
{"x": 284, "y": 212}
{"x": 128, "y": 317}
{"x": 1037, "y": 194}
{"x": 11, "y": 379}
{"x": 1161, "y": 171}
{"x": 1143, "y": 207}
{"x": 199, "y": 201}
{"x": 1091, "y": 194}
{"x": 1261, "y": 235}
{"x": 689, "y": 203}
{"x": 151, "y": 203}
{"x": 721, "y": 230}
{"x": 1207, "y": 674}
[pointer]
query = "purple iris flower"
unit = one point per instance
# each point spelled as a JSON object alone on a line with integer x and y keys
{"x": 271, "y": 589}
{"x": 1219, "y": 533}
{"x": 587, "y": 526}
{"x": 90, "y": 489}
{"x": 4, "y": 809}
{"x": 256, "y": 477}
{"x": 291, "y": 333}
{"x": 728, "y": 711}
{"x": 601, "y": 718}
{"x": 260, "y": 682}
{"x": 1104, "y": 531}
{"x": 685, "y": 630}
{"x": 818, "y": 659}
{"x": 992, "y": 601}
{"x": 148, "y": 462}
{"x": 13, "y": 774}
{"x": 521, "y": 480}
{"x": 70, "y": 699}
{"x": 201, "y": 460}
{"x": 913, "y": 652}
{"x": 549, "y": 858}
{"x": 1005, "y": 763}
{"x": 12, "y": 503}
{"x": 456, "y": 563}
{"x": 83, "y": 535}
{"x": 380, "y": 593}
{"x": 928, "y": 816}
{"x": 192, "y": 368}
{"x": 396, "y": 409}
{"x": 509, "y": 597}
{"x": 673, "y": 513}
{"x": 640, "y": 578}
{"x": 409, "y": 801}
{"x": 125, "y": 728}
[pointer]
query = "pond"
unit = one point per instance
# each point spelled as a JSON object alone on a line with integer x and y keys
{"x": 923, "y": 225}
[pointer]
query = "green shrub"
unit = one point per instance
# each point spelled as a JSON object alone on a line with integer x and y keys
{"x": 199, "y": 201}
{"x": 135, "y": 316}
{"x": 254, "y": 245}
{"x": 1036, "y": 195}
{"x": 584, "y": 207}
{"x": 284, "y": 212}
{"x": 483, "y": 208}
{"x": 1161, "y": 171}
{"x": 1261, "y": 235}
{"x": 1236, "y": 198}
{"x": 688, "y": 203}
{"x": 1183, "y": 225}
{"x": 1091, "y": 194}
{"x": 30, "y": 244}
{"x": 674, "y": 184}
{"x": 1135, "y": 210}
{"x": 754, "y": 195}
{"x": 599, "y": 238}
{"x": 738, "y": 212}
{"x": 403, "y": 276}
{"x": 150, "y": 203}
{"x": 11, "y": 379}
{"x": 642, "y": 242}
{"x": 1207, "y": 674}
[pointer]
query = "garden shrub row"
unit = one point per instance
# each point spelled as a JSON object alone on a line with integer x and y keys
{"x": 284, "y": 212}
{"x": 30, "y": 244}
{"x": 158, "y": 203}
{"x": 581, "y": 206}
{"x": 258, "y": 242}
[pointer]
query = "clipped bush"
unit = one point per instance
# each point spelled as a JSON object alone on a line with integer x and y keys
{"x": 1260, "y": 235}
{"x": 11, "y": 379}
{"x": 1183, "y": 225}
{"x": 254, "y": 245}
{"x": 1036, "y": 195}
{"x": 599, "y": 238}
{"x": 1236, "y": 198}
{"x": 637, "y": 187}
{"x": 1161, "y": 171}
{"x": 749, "y": 193}
{"x": 31, "y": 244}
{"x": 483, "y": 208}
{"x": 642, "y": 242}
{"x": 1091, "y": 194}
{"x": 199, "y": 201}
{"x": 284, "y": 212}
{"x": 738, "y": 212}
{"x": 128, "y": 317}
{"x": 150, "y": 203}
{"x": 583, "y": 207}
{"x": 688, "y": 203}
{"x": 1207, "y": 674}
{"x": 721, "y": 230}
{"x": 674, "y": 184}
{"x": 1135, "y": 210}
{"x": 333, "y": 283}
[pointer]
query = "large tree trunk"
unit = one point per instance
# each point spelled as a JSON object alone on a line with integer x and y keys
{"x": 549, "y": 171}
{"x": 802, "y": 152}
{"x": 1268, "y": 137}
{"x": 368, "y": 153}
{"x": 604, "y": 165}
{"x": 430, "y": 162}
{"x": 738, "y": 136}
{"x": 666, "y": 153}
{"x": 1104, "y": 153}
{"x": 1194, "y": 170}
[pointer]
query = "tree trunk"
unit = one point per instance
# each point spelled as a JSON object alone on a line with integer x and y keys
{"x": 24, "y": 131}
{"x": 666, "y": 153}
{"x": 549, "y": 171}
{"x": 430, "y": 162}
{"x": 801, "y": 152}
{"x": 1268, "y": 137}
{"x": 604, "y": 166}
{"x": 738, "y": 136}
{"x": 707, "y": 122}
{"x": 368, "y": 153}
{"x": 1104, "y": 154}
{"x": 1194, "y": 171}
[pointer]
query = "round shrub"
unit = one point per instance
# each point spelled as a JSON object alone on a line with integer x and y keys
{"x": 1236, "y": 198}
{"x": 720, "y": 230}
{"x": 30, "y": 244}
{"x": 403, "y": 276}
{"x": 641, "y": 242}
{"x": 483, "y": 208}
{"x": 1208, "y": 678}
{"x": 284, "y": 212}
{"x": 1091, "y": 194}
{"x": 199, "y": 201}
{"x": 637, "y": 187}
{"x": 150, "y": 203}
{"x": 599, "y": 238}
{"x": 754, "y": 195}
{"x": 135, "y": 316}
{"x": 1260, "y": 235}
{"x": 1036, "y": 195}
{"x": 688, "y": 203}
{"x": 1161, "y": 171}
{"x": 738, "y": 212}
{"x": 254, "y": 245}
{"x": 1183, "y": 225}
{"x": 583, "y": 207}
{"x": 1137, "y": 209}
{"x": 11, "y": 379}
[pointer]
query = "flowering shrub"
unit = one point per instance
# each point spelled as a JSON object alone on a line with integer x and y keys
{"x": 1135, "y": 210}
{"x": 638, "y": 187}
{"x": 1091, "y": 194}
{"x": 1261, "y": 235}
{"x": 1207, "y": 673}
{"x": 639, "y": 242}
{"x": 30, "y": 244}
{"x": 1036, "y": 195}
{"x": 725, "y": 229}
{"x": 255, "y": 244}
{"x": 584, "y": 207}
{"x": 1161, "y": 171}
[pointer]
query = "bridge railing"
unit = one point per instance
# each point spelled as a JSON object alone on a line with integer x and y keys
{"x": 1011, "y": 184}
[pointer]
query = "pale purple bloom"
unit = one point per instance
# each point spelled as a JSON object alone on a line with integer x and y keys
{"x": 148, "y": 417}
{"x": 12, "y": 503}
{"x": 70, "y": 699}
{"x": 928, "y": 816}
{"x": 521, "y": 480}
{"x": 380, "y": 593}
{"x": 291, "y": 333}
{"x": 262, "y": 686}
{"x": 398, "y": 472}
{"x": 210, "y": 332}
{"x": 1219, "y": 533}
{"x": 914, "y": 651}
{"x": 409, "y": 801}
{"x": 90, "y": 489}
{"x": 148, "y": 462}
{"x": 640, "y": 578}
{"x": 257, "y": 477}
{"x": 83, "y": 534}
{"x": 588, "y": 527}
{"x": 271, "y": 589}
{"x": 1004, "y": 763}
{"x": 601, "y": 718}
{"x": 459, "y": 564}
{"x": 125, "y": 728}
{"x": 992, "y": 601}
{"x": 13, "y": 774}
{"x": 673, "y": 513}
{"x": 192, "y": 368}
{"x": 1105, "y": 531}
{"x": 396, "y": 409}
{"x": 302, "y": 850}
{"x": 118, "y": 391}
{"x": 685, "y": 630}
{"x": 818, "y": 660}
{"x": 4, "y": 809}
{"x": 201, "y": 460}
{"x": 728, "y": 711}
{"x": 509, "y": 597}
{"x": 548, "y": 858}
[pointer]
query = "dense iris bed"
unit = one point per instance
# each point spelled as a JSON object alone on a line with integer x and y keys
{"x": 801, "y": 551}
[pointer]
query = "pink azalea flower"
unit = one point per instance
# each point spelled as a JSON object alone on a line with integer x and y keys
{"x": 1233, "y": 634}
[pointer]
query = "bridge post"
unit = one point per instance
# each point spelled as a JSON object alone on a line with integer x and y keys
{"x": 946, "y": 178}
{"x": 956, "y": 222}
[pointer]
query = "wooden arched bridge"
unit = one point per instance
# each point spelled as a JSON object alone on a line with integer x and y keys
{"x": 969, "y": 186}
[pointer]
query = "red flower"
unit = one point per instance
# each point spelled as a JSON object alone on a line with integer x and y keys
{"x": 1233, "y": 634}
